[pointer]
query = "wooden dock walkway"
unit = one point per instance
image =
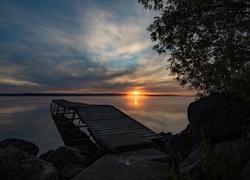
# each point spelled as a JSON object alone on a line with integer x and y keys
{"x": 108, "y": 126}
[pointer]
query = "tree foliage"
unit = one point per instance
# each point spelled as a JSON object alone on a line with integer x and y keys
{"x": 208, "y": 41}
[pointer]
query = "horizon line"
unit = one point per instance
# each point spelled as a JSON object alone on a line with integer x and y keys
{"x": 91, "y": 94}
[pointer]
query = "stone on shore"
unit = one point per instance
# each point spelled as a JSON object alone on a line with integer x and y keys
{"x": 20, "y": 144}
{"x": 179, "y": 147}
{"x": 112, "y": 167}
{"x": 65, "y": 156}
{"x": 16, "y": 164}
{"x": 218, "y": 117}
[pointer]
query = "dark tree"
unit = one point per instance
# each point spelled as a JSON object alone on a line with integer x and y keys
{"x": 208, "y": 41}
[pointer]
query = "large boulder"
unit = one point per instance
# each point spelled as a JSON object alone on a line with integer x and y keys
{"x": 64, "y": 155}
{"x": 217, "y": 116}
{"x": 112, "y": 167}
{"x": 16, "y": 164}
{"x": 68, "y": 161}
{"x": 20, "y": 144}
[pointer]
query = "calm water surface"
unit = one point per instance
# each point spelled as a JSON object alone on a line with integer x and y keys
{"x": 29, "y": 117}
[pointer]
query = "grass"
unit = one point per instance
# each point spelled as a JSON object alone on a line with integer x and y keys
{"x": 223, "y": 166}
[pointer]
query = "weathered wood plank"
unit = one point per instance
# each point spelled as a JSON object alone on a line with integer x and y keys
{"x": 141, "y": 131}
{"x": 118, "y": 129}
{"x": 110, "y": 123}
{"x": 98, "y": 115}
{"x": 116, "y": 126}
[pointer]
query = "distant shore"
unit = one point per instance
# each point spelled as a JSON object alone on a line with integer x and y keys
{"x": 86, "y": 94}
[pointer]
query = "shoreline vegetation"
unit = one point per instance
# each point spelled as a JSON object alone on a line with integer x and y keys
{"x": 87, "y": 94}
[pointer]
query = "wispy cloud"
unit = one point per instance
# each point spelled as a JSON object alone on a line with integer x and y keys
{"x": 78, "y": 46}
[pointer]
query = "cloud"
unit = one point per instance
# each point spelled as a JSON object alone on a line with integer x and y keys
{"x": 78, "y": 46}
{"x": 17, "y": 82}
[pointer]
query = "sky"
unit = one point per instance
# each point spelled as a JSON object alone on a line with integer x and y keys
{"x": 80, "y": 46}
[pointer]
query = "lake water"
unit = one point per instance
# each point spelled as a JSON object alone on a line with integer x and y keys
{"x": 29, "y": 118}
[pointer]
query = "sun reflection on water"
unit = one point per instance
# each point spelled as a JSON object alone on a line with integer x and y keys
{"x": 136, "y": 103}
{"x": 135, "y": 95}
{"x": 135, "y": 100}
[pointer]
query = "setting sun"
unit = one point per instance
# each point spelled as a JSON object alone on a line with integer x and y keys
{"x": 136, "y": 93}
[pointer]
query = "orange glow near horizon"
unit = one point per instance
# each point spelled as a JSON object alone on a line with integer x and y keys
{"x": 132, "y": 93}
{"x": 136, "y": 93}
{"x": 135, "y": 98}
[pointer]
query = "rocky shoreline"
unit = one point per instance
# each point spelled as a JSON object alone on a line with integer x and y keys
{"x": 213, "y": 119}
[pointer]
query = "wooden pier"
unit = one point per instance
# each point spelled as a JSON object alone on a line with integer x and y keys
{"x": 108, "y": 126}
